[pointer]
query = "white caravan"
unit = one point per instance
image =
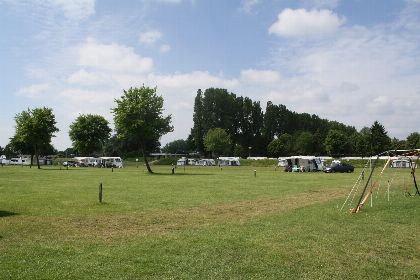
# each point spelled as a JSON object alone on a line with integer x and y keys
{"x": 302, "y": 163}
{"x": 111, "y": 162}
{"x": 4, "y": 160}
{"x": 206, "y": 162}
{"x": 229, "y": 161}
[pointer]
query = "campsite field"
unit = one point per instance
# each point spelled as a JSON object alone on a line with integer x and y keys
{"x": 201, "y": 223}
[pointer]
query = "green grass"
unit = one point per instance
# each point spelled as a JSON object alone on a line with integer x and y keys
{"x": 202, "y": 223}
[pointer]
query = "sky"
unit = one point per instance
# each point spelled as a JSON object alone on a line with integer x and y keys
{"x": 354, "y": 61}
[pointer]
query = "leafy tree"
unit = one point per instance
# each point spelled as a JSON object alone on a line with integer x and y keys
{"x": 239, "y": 151}
{"x": 138, "y": 117}
{"x": 397, "y": 144}
{"x": 379, "y": 139}
{"x": 176, "y": 147}
{"x": 35, "y": 128}
{"x": 304, "y": 143}
{"x": 413, "y": 141}
{"x": 217, "y": 141}
{"x": 362, "y": 142}
{"x": 336, "y": 143}
{"x": 281, "y": 146}
{"x": 89, "y": 133}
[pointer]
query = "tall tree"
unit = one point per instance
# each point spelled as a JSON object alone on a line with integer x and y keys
{"x": 138, "y": 116}
{"x": 89, "y": 134}
{"x": 304, "y": 143}
{"x": 198, "y": 130}
{"x": 217, "y": 141}
{"x": 379, "y": 139}
{"x": 35, "y": 128}
{"x": 413, "y": 141}
{"x": 281, "y": 146}
{"x": 336, "y": 143}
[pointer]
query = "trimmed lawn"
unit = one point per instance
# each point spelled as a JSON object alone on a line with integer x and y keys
{"x": 201, "y": 223}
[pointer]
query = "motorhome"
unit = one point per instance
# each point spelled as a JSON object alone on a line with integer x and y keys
{"x": 228, "y": 161}
{"x": 116, "y": 162}
{"x": 301, "y": 163}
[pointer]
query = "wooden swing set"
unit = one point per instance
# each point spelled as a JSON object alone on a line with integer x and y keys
{"x": 371, "y": 184}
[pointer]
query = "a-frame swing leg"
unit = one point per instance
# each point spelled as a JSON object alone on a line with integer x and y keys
{"x": 359, "y": 204}
{"x": 413, "y": 170}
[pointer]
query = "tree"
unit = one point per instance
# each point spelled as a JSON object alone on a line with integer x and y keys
{"x": 304, "y": 143}
{"x": 379, "y": 139}
{"x": 89, "y": 134}
{"x": 413, "y": 141}
{"x": 176, "y": 147}
{"x": 336, "y": 143}
{"x": 217, "y": 141}
{"x": 362, "y": 142}
{"x": 138, "y": 117}
{"x": 281, "y": 146}
{"x": 34, "y": 129}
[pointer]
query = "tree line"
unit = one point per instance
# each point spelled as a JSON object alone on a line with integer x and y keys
{"x": 281, "y": 132}
{"x": 223, "y": 124}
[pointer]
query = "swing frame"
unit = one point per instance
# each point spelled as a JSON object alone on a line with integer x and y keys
{"x": 367, "y": 191}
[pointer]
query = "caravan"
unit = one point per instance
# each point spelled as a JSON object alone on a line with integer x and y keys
{"x": 301, "y": 164}
{"x": 116, "y": 162}
{"x": 228, "y": 161}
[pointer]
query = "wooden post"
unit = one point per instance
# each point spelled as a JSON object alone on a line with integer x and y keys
{"x": 100, "y": 193}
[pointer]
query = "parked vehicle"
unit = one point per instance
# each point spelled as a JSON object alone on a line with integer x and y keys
{"x": 228, "y": 161}
{"x": 116, "y": 162}
{"x": 71, "y": 163}
{"x": 340, "y": 167}
{"x": 301, "y": 164}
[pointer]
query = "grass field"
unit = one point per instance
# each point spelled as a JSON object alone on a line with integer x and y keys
{"x": 201, "y": 223}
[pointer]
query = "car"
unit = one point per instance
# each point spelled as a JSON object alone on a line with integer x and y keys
{"x": 340, "y": 167}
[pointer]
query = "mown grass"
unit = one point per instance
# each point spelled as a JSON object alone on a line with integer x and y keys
{"x": 201, "y": 223}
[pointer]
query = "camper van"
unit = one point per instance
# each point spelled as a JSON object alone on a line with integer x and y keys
{"x": 116, "y": 162}
{"x": 301, "y": 164}
{"x": 228, "y": 161}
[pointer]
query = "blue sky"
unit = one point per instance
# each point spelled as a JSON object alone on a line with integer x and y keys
{"x": 353, "y": 61}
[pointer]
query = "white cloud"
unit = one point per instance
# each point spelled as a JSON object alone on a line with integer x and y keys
{"x": 34, "y": 91}
{"x": 300, "y": 22}
{"x": 248, "y": 5}
{"x": 165, "y": 48}
{"x": 111, "y": 57}
{"x": 260, "y": 76}
{"x": 150, "y": 37}
{"x": 75, "y": 9}
{"x": 328, "y": 4}
{"x": 84, "y": 78}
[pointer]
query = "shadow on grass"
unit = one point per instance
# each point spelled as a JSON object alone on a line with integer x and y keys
{"x": 6, "y": 213}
